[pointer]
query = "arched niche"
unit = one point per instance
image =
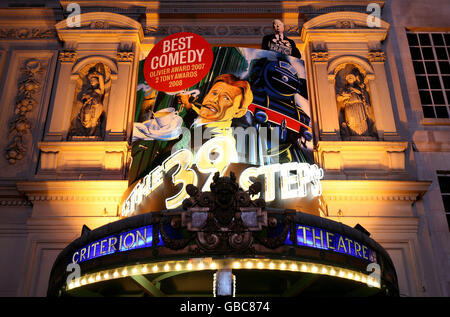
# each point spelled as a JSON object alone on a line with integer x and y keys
{"x": 354, "y": 106}
{"x": 337, "y": 64}
{"x": 90, "y": 102}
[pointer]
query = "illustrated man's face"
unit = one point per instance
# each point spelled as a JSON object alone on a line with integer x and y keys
{"x": 222, "y": 103}
{"x": 278, "y": 26}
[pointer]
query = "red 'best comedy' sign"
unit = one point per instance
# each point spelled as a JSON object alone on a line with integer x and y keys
{"x": 178, "y": 62}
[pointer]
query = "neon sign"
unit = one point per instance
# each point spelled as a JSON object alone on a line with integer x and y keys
{"x": 295, "y": 178}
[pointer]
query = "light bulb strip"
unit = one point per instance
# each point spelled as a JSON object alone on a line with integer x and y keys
{"x": 236, "y": 264}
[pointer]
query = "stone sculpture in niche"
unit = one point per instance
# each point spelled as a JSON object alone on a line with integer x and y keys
{"x": 356, "y": 117}
{"x": 89, "y": 121}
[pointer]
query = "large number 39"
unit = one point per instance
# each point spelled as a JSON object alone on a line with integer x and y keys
{"x": 214, "y": 156}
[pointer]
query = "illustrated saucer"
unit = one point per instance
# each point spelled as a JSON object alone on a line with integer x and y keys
{"x": 150, "y": 130}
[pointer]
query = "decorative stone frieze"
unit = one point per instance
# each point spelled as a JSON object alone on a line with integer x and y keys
{"x": 217, "y": 30}
{"x": 25, "y": 33}
{"x": 67, "y": 191}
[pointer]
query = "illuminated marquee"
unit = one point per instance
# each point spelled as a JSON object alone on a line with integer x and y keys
{"x": 295, "y": 178}
{"x": 307, "y": 236}
{"x": 129, "y": 240}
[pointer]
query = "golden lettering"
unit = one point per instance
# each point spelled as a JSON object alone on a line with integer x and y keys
{"x": 364, "y": 249}
{"x": 82, "y": 252}
{"x": 112, "y": 244}
{"x": 120, "y": 243}
{"x": 357, "y": 249}
{"x": 341, "y": 242}
{"x": 143, "y": 237}
{"x": 315, "y": 237}
{"x": 330, "y": 240}
{"x": 95, "y": 248}
{"x": 125, "y": 240}
{"x": 73, "y": 257}
{"x": 304, "y": 232}
{"x": 101, "y": 247}
{"x": 349, "y": 246}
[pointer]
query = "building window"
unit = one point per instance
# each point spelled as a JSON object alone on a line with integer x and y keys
{"x": 430, "y": 52}
{"x": 444, "y": 185}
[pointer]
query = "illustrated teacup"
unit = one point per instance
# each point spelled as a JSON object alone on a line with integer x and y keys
{"x": 165, "y": 116}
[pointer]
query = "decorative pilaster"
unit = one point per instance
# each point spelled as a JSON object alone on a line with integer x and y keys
{"x": 20, "y": 125}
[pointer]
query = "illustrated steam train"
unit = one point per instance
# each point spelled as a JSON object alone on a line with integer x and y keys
{"x": 277, "y": 96}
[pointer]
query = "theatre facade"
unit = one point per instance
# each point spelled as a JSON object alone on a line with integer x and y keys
{"x": 186, "y": 149}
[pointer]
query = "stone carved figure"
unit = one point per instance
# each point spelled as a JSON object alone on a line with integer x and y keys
{"x": 89, "y": 122}
{"x": 355, "y": 111}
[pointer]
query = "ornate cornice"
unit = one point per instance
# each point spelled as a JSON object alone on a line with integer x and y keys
{"x": 80, "y": 191}
{"x": 369, "y": 197}
{"x": 10, "y": 197}
{"x": 373, "y": 190}
{"x": 18, "y": 202}
{"x": 68, "y": 197}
